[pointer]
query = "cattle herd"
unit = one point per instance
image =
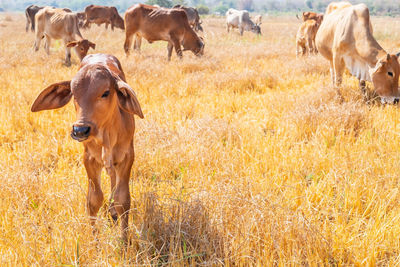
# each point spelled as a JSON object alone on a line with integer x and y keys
{"x": 106, "y": 104}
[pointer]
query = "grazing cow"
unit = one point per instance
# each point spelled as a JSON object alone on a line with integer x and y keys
{"x": 155, "y": 24}
{"x": 105, "y": 105}
{"x": 345, "y": 39}
{"x": 193, "y": 17}
{"x": 312, "y": 16}
{"x": 241, "y": 19}
{"x": 335, "y": 6}
{"x": 54, "y": 23}
{"x": 306, "y": 37}
{"x": 30, "y": 13}
{"x": 103, "y": 14}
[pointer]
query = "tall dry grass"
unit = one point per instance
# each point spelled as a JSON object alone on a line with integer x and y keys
{"x": 245, "y": 157}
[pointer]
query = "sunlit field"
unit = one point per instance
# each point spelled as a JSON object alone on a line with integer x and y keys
{"x": 245, "y": 156}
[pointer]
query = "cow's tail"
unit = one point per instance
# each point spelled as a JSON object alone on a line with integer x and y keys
{"x": 297, "y": 16}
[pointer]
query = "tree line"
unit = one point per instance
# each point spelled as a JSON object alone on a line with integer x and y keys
{"x": 377, "y": 7}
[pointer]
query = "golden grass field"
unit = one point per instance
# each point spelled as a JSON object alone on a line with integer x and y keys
{"x": 245, "y": 157}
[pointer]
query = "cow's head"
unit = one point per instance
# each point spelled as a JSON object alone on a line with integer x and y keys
{"x": 81, "y": 47}
{"x": 385, "y": 77}
{"x": 256, "y": 29}
{"x": 118, "y": 20}
{"x": 194, "y": 44}
{"x": 98, "y": 98}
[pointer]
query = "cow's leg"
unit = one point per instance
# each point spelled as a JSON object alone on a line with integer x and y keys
{"x": 67, "y": 55}
{"x": 169, "y": 48}
{"x": 121, "y": 195}
{"x": 241, "y": 30}
{"x": 95, "y": 196}
{"x": 47, "y": 44}
{"x": 227, "y": 27}
{"x": 138, "y": 42}
{"x": 37, "y": 41}
{"x": 27, "y": 24}
{"x": 112, "y": 26}
{"x": 128, "y": 42}
{"x": 113, "y": 212}
{"x": 177, "y": 46}
{"x": 363, "y": 89}
{"x": 310, "y": 46}
{"x": 338, "y": 67}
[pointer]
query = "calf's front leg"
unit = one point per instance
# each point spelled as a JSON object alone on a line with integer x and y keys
{"x": 95, "y": 196}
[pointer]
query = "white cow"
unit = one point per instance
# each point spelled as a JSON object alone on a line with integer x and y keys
{"x": 241, "y": 19}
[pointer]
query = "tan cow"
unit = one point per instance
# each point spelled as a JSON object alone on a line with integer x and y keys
{"x": 345, "y": 39}
{"x": 105, "y": 105}
{"x": 305, "y": 37}
{"x": 53, "y": 23}
{"x": 164, "y": 24}
{"x": 103, "y": 14}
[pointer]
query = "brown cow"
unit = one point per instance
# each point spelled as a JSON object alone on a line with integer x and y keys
{"x": 53, "y": 23}
{"x": 103, "y": 14}
{"x": 193, "y": 17}
{"x": 306, "y": 37}
{"x": 105, "y": 105}
{"x": 156, "y": 24}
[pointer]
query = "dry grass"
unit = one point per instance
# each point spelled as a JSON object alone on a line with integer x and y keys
{"x": 245, "y": 157}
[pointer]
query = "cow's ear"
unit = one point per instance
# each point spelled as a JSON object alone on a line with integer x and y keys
{"x": 127, "y": 99}
{"x": 55, "y": 96}
{"x": 72, "y": 44}
{"x": 92, "y": 45}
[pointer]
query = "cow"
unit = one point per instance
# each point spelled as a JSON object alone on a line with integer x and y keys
{"x": 345, "y": 39}
{"x": 241, "y": 19}
{"x": 103, "y": 14}
{"x": 193, "y": 17}
{"x": 54, "y": 23}
{"x": 335, "y": 6}
{"x": 105, "y": 106}
{"x": 305, "y": 37}
{"x": 155, "y": 24}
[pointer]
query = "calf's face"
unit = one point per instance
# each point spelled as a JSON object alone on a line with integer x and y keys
{"x": 82, "y": 47}
{"x": 98, "y": 97}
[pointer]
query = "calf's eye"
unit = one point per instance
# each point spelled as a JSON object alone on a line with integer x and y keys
{"x": 390, "y": 74}
{"x": 105, "y": 94}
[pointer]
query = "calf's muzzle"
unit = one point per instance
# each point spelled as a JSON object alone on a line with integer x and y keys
{"x": 80, "y": 133}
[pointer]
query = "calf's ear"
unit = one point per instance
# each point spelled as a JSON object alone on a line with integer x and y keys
{"x": 127, "y": 99}
{"x": 55, "y": 96}
{"x": 92, "y": 45}
{"x": 72, "y": 44}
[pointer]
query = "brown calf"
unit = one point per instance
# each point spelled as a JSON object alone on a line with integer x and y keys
{"x": 312, "y": 16}
{"x": 305, "y": 37}
{"x": 105, "y": 105}
{"x": 156, "y": 24}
